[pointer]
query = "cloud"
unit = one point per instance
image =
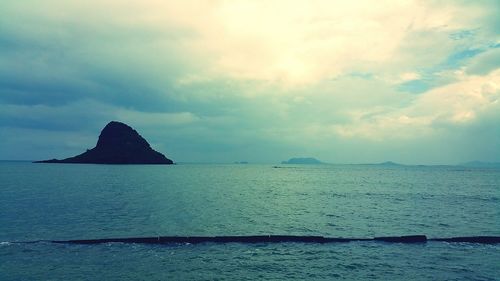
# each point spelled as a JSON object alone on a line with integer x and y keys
{"x": 409, "y": 76}
{"x": 54, "y": 118}
{"x": 485, "y": 62}
{"x": 457, "y": 104}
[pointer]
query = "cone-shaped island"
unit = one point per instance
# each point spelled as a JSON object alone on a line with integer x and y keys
{"x": 118, "y": 144}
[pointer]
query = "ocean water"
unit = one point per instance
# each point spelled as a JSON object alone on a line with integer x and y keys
{"x": 72, "y": 201}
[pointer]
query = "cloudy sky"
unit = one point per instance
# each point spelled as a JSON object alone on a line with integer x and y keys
{"x": 260, "y": 81}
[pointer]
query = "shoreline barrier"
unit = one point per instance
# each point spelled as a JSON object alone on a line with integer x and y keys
{"x": 276, "y": 239}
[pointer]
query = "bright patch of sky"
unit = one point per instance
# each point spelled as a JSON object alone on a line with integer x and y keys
{"x": 258, "y": 81}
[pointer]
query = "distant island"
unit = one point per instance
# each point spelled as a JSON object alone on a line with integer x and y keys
{"x": 479, "y": 164}
{"x": 387, "y": 163}
{"x": 118, "y": 143}
{"x": 305, "y": 160}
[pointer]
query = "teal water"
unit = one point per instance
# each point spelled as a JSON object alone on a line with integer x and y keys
{"x": 68, "y": 201}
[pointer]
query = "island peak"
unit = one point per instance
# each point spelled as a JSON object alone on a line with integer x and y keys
{"x": 118, "y": 143}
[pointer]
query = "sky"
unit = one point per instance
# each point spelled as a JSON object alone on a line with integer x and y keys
{"x": 415, "y": 82}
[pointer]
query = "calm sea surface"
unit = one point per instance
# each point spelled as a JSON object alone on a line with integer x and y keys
{"x": 71, "y": 201}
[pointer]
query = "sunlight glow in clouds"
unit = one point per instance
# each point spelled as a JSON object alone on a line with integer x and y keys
{"x": 310, "y": 41}
{"x": 345, "y": 81}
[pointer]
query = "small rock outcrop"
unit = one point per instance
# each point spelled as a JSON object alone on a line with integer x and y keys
{"x": 118, "y": 144}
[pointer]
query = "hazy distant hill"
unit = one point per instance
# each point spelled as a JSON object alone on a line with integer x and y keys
{"x": 388, "y": 163}
{"x": 305, "y": 160}
{"x": 479, "y": 164}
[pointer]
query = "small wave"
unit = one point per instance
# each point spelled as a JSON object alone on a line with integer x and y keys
{"x": 5, "y": 243}
{"x": 333, "y": 215}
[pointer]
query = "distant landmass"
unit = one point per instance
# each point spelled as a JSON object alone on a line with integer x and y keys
{"x": 479, "y": 164}
{"x": 388, "y": 163}
{"x": 305, "y": 160}
{"x": 118, "y": 143}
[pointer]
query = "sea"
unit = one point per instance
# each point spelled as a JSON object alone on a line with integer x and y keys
{"x": 83, "y": 201}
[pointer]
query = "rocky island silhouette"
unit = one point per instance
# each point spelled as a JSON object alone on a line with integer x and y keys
{"x": 118, "y": 143}
{"x": 302, "y": 160}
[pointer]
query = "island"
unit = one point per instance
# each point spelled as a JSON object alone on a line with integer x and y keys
{"x": 480, "y": 164}
{"x": 305, "y": 160}
{"x": 388, "y": 163}
{"x": 118, "y": 143}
